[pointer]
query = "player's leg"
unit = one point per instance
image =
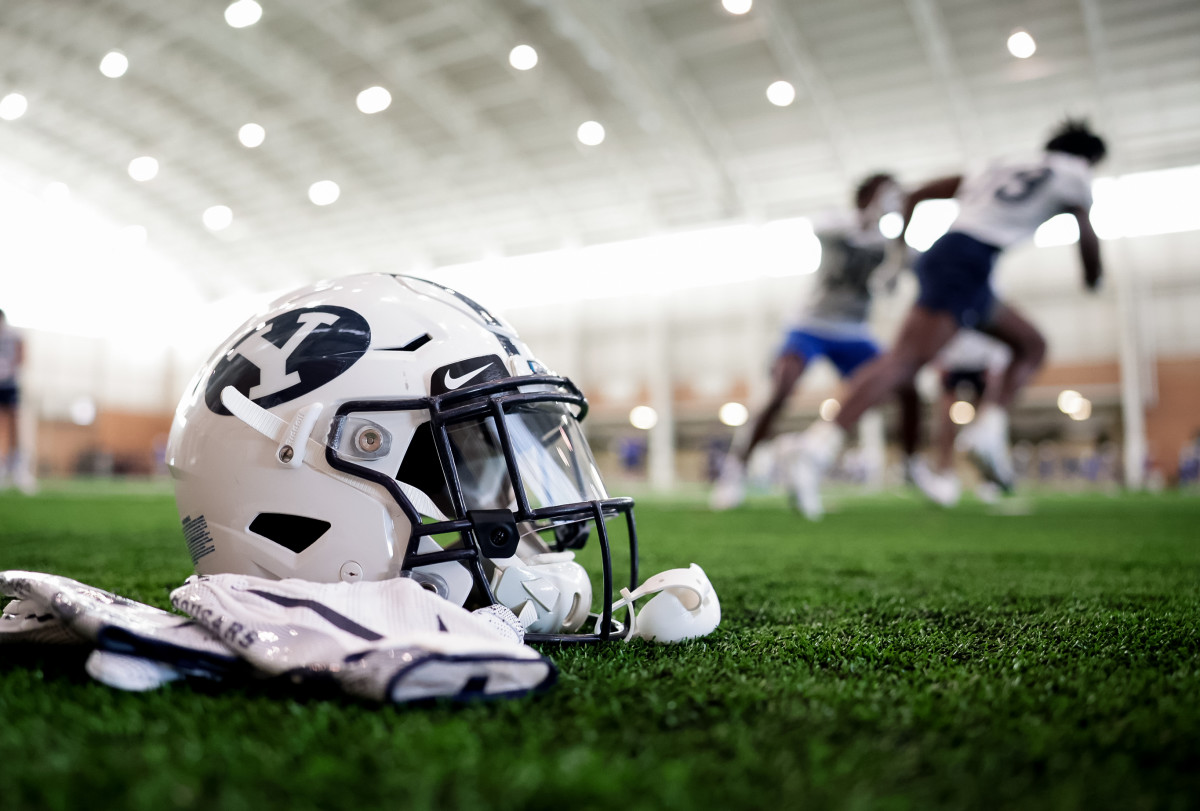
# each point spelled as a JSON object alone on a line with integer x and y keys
{"x": 729, "y": 490}
{"x": 1028, "y": 352}
{"x": 785, "y": 373}
{"x": 850, "y": 356}
{"x": 986, "y": 438}
{"x": 944, "y": 430}
{"x": 910, "y": 418}
{"x": 940, "y": 483}
{"x": 922, "y": 336}
{"x": 8, "y": 438}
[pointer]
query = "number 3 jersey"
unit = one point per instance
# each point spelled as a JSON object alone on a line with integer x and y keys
{"x": 1007, "y": 202}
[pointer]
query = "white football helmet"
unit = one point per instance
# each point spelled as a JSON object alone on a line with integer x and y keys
{"x": 382, "y": 426}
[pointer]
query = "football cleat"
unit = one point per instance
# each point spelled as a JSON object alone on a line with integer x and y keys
{"x": 986, "y": 443}
{"x": 942, "y": 489}
{"x": 811, "y": 457}
{"x": 729, "y": 490}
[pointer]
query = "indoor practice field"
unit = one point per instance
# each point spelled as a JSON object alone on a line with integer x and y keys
{"x": 891, "y": 656}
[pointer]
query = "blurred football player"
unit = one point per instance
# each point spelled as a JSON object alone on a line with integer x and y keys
{"x": 998, "y": 208}
{"x": 12, "y": 354}
{"x": 856, "y": 260}
{"x": 966, "y": 367}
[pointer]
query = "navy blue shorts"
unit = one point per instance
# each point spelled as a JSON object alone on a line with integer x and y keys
{"x": 8, "y": 396}
{"x": 847, "y": 354}
{"x": 955, "y": 276}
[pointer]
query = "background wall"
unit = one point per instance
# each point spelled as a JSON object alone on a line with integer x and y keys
{"x": 101, "y": 405}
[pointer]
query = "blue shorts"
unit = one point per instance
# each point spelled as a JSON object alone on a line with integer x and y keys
{"x": 955, "y": 276}
{"x": 847, "y": 354}
{"x": 9, "y": 397}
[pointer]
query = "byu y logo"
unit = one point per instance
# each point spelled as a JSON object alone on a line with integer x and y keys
{"x": 289, "y": 356}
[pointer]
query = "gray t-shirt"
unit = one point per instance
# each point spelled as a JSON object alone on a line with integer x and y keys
{"x": 850, "y": 255}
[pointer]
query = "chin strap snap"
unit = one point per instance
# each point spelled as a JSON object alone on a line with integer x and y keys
{"x": 685, "y": 606}
{"x": 293, "y": 437}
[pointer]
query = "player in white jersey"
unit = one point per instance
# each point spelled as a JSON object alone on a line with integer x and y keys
{"x": 855, "y": 260}
{"x": 1002, "y": 206}
{"x": 11, "y": 355}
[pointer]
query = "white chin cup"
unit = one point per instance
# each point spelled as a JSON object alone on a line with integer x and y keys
{"x": 685, "y": 606}
{"x": 551, "y": 593}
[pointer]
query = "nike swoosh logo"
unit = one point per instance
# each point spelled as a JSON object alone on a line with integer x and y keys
{"x": 455, "y": 382}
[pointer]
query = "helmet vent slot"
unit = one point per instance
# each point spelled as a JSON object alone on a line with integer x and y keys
{"x": 294, "y": 532}
{"x": 411, "y": 346}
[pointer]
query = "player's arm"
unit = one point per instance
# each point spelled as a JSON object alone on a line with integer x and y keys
{"x": 1089, "y": 247}
{"x": 943, "y": 188}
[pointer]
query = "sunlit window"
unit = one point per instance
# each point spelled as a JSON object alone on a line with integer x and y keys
{"x": 1060, "y": 230}
{"x": 930, "y": 220}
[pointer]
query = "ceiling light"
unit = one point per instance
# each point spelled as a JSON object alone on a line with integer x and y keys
{"x": 1082, "y": 411}
{"x": 962, "y": 412}
{"x": 374, "y": 100}
{"x": 252, "y": 135}
{"x": 143, "y": 168}
{"x": 522, "y": 57}
{"x": 1021, "y": 44}
{"x": 643, "y": 417}
{"x": 218, "y": 218}
{"x": 324, "y": 192}
{"x": 733, "y": 414}
{"x": 13, "y": 106}
{"x": 243, "y": 13}
{"x": 1069, "y": 400}
{"x": 114, "y": 64}
{"x": 737, "y": 6}
{"x": 781, "y": 93}
{"x": 590, "y": 133}
{"x": 82, "y": 410}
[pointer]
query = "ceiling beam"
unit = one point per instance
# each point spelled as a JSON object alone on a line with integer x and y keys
{"x": 931, "y": 30}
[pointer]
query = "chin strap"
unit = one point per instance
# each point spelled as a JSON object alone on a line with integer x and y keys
{"x": 685, "y": 606}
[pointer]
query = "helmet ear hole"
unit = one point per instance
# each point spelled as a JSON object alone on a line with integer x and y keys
{"x": 294, "y": 532}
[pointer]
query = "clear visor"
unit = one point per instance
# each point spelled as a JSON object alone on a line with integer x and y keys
{"x": 553, "y": 460}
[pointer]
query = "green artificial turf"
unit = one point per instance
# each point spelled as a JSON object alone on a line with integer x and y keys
{"x": 892, "y": 656}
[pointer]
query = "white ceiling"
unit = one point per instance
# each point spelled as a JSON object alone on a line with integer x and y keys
{"x": 476, "y": 159}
